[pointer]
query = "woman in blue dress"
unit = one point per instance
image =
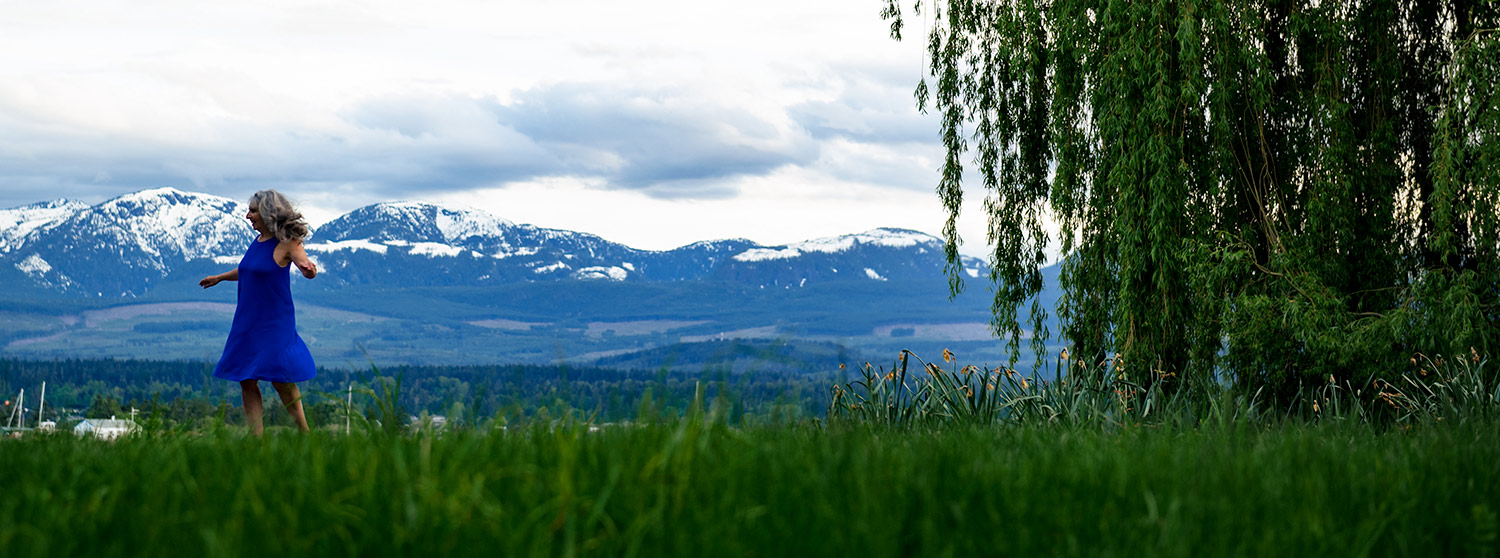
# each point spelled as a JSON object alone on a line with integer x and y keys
{"x": 263, "y": 343}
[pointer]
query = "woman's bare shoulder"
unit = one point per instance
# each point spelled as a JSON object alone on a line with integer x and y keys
{"x": 288, "y": 250}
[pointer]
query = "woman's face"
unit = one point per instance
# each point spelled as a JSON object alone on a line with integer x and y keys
{"x": 254, "y": 216}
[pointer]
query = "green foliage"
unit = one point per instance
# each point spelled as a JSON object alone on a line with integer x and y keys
{"x": 1101, "y": 396}
{"x": 103, "y": 406}
{"x": 1453, "y": 389}
{"x": 1077, "y": 395}
{"x": 1280, "y": 190}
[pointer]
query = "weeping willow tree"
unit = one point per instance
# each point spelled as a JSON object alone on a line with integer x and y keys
{"x": 1282, "y": 190}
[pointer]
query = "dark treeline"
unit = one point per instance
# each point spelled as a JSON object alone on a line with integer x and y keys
{"x": 185, "y": 392}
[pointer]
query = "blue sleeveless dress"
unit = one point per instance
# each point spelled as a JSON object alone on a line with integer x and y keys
{"x": 263, "y": 342}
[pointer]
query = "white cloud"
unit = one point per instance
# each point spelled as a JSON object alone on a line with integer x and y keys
{"x": 788, "y": 206}
{"x": 652, "y": 123}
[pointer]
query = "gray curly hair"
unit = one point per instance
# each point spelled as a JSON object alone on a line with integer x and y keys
{"x": 280, "y": 217}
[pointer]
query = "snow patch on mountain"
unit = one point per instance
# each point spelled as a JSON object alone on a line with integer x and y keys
{"x": 873, "y": 274}
{"x": 38, "y": 269}
{"x": 763, "y": 254}
{"x": 350, "y": 245}
{"x": 433, "y": 250}
{"x": 612, "y": 273}
{"x": 715, "y": 244}
{"x": 526, "y": 251}
{"x": 550, "y": 268}
{"x": 883, "y": 237}
{"x": 453, "y": 224}
{"x": 886, "y": 238}
{"x": 462, "y": 223}
{"x": 34, "y": 265}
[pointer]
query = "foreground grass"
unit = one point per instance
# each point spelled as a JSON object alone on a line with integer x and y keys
{"x": 695, "y": 488}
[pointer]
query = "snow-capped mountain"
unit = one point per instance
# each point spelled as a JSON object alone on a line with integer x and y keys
{"x": 127, "y": 245}
{"x": 472, "y": 246}
{"x": 124, "y": 245}
{"x": 414, "y": 222}
{"x": 17, "y": 222}
{"x": 880, "y": 255}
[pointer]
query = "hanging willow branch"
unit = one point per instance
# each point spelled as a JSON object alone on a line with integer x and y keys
{"x": 1262, "y": 187}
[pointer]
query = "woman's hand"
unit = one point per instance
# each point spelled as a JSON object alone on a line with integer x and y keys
{"x": 306, "y": 266}
{"x": 300, "y": 259}
{"x": 211, "y": 280}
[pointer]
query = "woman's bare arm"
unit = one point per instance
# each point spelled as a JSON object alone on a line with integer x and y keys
{"x": 211, "y": 280}
{"x": 303, "y": 263}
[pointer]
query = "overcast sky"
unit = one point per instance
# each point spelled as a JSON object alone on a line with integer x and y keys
{"x": 654, "y": 123}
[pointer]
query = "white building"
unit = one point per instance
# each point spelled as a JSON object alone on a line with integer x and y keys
{"x": 108, "y": 429}
{"x": 435, "y": 422}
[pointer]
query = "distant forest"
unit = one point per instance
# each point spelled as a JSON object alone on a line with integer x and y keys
{"x": 185, "y": 393}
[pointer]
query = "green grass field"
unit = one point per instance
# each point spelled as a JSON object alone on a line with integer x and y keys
{"x": 698, "y": 487}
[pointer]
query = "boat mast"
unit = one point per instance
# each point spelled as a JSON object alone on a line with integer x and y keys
{"x": 41, "y": 407}
{"x": 16, "y": 412}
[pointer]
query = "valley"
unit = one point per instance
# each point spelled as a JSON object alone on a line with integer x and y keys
{"x": 411, "y": 283}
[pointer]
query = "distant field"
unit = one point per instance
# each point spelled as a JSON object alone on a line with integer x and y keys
{"x": 338, "y": 337}
{"x": 170, "y": 330}
{"x": 638, "y": 327}
{"x": 501, "y": 323}
{"x": 702, "y": 488}
{"x": 971, "y": 331}
{"x": 130, "y": 312}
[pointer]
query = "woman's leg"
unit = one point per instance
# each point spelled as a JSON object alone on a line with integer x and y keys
{"x": 291, "y": 398}
{"x": 250, "y": 394}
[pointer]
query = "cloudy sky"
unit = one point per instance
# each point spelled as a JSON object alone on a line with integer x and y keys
{"x": 654, "y": 123}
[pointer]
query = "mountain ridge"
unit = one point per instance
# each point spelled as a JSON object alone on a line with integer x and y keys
{"x": 124, "y": 246}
